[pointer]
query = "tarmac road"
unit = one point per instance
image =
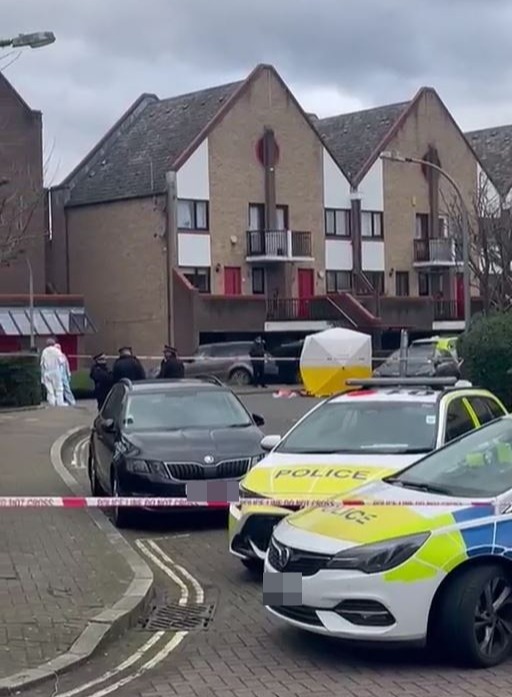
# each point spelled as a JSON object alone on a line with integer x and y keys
{"x": 243, "y": 652}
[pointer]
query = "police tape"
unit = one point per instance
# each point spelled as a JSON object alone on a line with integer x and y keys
{"x": 165, "y": 502}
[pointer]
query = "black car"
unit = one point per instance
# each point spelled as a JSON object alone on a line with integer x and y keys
{"x": 153, "y": 437}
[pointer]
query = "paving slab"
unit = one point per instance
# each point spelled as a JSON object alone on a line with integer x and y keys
{"x": 59, "y": 570}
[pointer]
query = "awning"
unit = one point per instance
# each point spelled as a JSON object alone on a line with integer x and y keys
{"x": 48, "y": 321}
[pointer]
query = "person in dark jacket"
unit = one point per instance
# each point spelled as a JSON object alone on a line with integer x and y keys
{"x": 127, "y": 366}
{"x": 257, "y": 355}
{"x": 171, "y": 368}
{"x": 102, "y": 378}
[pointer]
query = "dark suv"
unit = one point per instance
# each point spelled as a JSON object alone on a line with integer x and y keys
{"x": 153, "y": 437}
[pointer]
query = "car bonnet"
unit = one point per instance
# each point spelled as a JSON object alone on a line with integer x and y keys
{"x": 408, "y": 512}
{"x": 316, "y": 476}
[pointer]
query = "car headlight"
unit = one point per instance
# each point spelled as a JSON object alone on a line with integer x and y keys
{"x": 146, "y": 467}
{"x": 379, "y": 557}
{"x": 247, "y": 494}
{"x": 255, "y": 459}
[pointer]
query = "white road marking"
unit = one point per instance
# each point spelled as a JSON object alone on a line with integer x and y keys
{"x": 167, "y": 571}
{"x": 152, "y": 663}
{"x": 79, "y": 456}
{"x": 118, "y": 669}
{"x": 195, "y": 583}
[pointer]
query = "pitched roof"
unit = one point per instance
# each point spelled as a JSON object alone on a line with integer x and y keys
{"x": 352, "y": 138}
{"x": 135, "y": 162}
{"x": 494, "y": 149}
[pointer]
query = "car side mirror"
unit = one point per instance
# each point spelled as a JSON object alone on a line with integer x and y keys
{"x": 109, "y": 425}
{"x": 269, "y": 443}
{"x": 258, "y": 419}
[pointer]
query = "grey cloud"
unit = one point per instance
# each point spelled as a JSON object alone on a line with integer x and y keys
{"x": 375, "y": 51}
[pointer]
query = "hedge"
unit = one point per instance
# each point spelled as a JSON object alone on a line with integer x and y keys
{"x": 20, "y": 380}
{"x": 486, "y": 349}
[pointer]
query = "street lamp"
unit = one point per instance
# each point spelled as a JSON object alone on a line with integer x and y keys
{"x": 36, "y": 40}
{"x": 396, "y": 157}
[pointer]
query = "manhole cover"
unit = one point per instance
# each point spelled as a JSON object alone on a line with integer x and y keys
{"x": 174, "y": 617}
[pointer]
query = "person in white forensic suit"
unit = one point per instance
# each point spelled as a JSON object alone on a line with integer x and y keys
{"x": 51, "y": 373}
{"x": 65, "y": 370}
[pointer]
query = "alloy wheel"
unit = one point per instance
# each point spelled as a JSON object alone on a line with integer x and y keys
{"x": 493, "y": 617}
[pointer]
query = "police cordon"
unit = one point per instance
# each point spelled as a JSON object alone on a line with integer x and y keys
{"x": 164, "y": 502}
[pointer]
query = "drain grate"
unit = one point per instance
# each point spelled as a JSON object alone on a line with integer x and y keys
{"x": 174, "y": 617}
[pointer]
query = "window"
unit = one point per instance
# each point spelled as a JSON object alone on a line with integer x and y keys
{"x": 423, "y": 284}
{"x": 112, "y": 407}
{"x": 258, "y": 280}
{"x": 231, "y": 350}
{"x": 421, "y": 231}
{"x": 362, "y": 426}
{"x": 199, "y": 278}
{"x": 337, "y": 222}
{"x": 257, "y": 217}
{"x": 338, "y": 281}
{"x": 371, "y": 224}
{"x": 376, "y": 278}
{"x": 179, "y": 409}
{"x": 192, "y": 215}
{"x": 485, "y": 409}
{"x": 458, "y": 420}
{"x": 402, "y": 283}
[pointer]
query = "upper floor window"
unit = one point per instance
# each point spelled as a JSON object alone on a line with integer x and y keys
{"x": 371, "y": 224}
{"x": 192, "y": 215}
{"x": 257, "y": 217}
{"x": 337, "y": 222}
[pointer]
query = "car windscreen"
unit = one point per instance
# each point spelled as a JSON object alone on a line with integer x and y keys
{"x": 479, "y": 465}
{"x": 358, "y": 425}
{"x": 185, "y": 409}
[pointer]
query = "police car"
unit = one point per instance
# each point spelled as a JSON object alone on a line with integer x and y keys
{"x": 351, "y": 439}
{"x": 435, "y": 563}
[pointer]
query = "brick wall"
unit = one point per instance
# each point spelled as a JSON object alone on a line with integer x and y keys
{"x": 405, "y": 186}
{"x": 237, "y": 177}
{"x": 22, "y": 198}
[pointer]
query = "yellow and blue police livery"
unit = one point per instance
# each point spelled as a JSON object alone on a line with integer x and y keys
{"x": 348, "y": 441}
{"x": 427, "y": 558}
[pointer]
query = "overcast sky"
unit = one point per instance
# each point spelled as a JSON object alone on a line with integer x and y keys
{"x": 336, "y": 55}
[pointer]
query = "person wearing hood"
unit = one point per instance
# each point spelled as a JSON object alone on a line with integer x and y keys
{"x": 65, "y": 370}
{"x": 101, "y": 376}
{"x": 127, "y": 366}
{"x": 257, "y": 355}
{"x": 51, "y": 373}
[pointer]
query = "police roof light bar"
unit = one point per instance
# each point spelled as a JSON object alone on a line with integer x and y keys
{"x": 440, "y": 383}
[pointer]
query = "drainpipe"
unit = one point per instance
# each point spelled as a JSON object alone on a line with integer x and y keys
{"x": 171, "y": 245}
{"x": 355, "y": 231}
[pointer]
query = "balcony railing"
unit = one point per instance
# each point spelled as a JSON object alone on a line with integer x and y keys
{"x": 453, "y": 310}
{"x": 279, "y": 244}
{"x": 437, "y": 251}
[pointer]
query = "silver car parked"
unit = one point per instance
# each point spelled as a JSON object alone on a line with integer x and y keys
{"x": 229, "y": 361}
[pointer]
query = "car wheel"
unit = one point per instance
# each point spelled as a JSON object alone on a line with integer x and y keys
{"x": 475, "y": 617}
{"x": 254, "y": 565}
{"x": 240, "y": 376}
{"x": 96, "y": 489}
{"x": 121, "y": 517}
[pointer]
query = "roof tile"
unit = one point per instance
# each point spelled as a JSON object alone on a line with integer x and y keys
{"x": 494, "y": 149}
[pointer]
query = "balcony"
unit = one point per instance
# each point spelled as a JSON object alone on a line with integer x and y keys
{"x": 453, "y": 310}
{"x": 278, "y": 245}
{"x": 441, "y": 251}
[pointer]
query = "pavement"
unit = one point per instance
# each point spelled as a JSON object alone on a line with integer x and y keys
{"x": 59, "y": 570}
{"x": 242, "y": 652}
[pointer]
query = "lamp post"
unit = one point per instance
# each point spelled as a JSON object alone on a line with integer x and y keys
{"x": 35, "y": 40}
{"x": 396, "y": 157}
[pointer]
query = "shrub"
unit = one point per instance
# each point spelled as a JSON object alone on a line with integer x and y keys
{"x": 81, "y": 384}
{"x": 486, "y": 349}
{"x": 20, "y": 380}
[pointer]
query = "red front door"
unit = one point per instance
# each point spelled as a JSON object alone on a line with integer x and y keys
{"x": 232, "y": 280}
{"x": 459, "y": 295}
{"x": 306, "y": 283}
{"x": 69, "y": 346}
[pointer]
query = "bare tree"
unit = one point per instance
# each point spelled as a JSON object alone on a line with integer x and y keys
{"x": 17, "y": 211}
{"x": 490, "y": 243}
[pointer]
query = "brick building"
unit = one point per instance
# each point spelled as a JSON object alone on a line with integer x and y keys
{"x": 23, "y": 232}
{"x": 285, "y": 222}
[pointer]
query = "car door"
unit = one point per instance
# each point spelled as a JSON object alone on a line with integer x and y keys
{"x": 228, "y": 357}
{"x": 200, "y": 363}
{"x": 105, "y": 436}
{"x": 458, "y": 419}
{"x": 486, "y": 409}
